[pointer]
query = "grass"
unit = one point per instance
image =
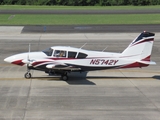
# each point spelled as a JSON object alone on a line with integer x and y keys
{"x": 36, "y": 19}
{"x": 31, "y": 7}
{"x": 19, "y": 19}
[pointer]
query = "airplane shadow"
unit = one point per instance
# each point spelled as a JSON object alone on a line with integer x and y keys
{"x": 71, "y": 81}
{"x": 112, "y": 77}
{"x": 157, "y": 77}
{"x": 74, "y": 79}
{"x": 82, "y": 78}
{"x": 80, "y": 81}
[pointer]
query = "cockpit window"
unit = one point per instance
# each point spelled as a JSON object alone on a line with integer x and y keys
{"x": 82, "y": 55}
{"x": 60, "y": 53}
{"x": 72, "y": 54}
{"x": 48, "y": 51}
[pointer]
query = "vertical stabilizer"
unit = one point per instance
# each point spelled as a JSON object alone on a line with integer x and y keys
{"x": 140, "y": 48}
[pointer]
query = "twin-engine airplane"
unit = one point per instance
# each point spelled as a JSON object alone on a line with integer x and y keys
{"x": 61, "y": 60}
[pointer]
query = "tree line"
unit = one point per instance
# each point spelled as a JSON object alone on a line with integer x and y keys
{"x": 81, "y": 2}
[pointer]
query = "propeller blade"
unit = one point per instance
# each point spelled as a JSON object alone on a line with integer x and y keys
{"x": 29, "y": 49}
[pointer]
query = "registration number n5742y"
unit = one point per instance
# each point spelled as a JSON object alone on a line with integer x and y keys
{"x": 103, "y": 62}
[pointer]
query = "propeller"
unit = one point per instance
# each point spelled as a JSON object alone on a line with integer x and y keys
{"x": 29, "y": 50}
{"x": 27, "y": 60}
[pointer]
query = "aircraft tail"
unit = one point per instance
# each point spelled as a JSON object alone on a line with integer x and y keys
{"x": 140, "y": 48}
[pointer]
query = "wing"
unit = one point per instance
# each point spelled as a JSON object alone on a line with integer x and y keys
{"x": 54, "y": 65}
{"x": 62, "y": 67}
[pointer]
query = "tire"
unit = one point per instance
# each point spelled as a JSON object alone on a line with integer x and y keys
{"x": 27, "y": 75}
{"x": 64, "y": 77}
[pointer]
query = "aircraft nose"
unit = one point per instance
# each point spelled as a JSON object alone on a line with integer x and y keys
{"x": 8, "y": 59}
{"x": 14, "y": 60}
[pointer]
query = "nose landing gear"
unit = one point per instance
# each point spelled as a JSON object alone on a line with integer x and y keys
{"x": 27, "y": 75}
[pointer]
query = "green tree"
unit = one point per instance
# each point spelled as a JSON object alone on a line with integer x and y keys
{"x": 7, "y": 2}
{"x": 154, "y": 2}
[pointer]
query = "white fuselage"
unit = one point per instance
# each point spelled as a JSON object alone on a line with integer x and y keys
{"x": 94, "y": 60}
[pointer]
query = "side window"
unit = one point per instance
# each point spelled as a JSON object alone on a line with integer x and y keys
{"x": 62, "y": 53}
{"x": 56, "y": 53}
{"x": 72, "y": 54}
{"x": 82, "y": 55}
{"x": 59, "y": 53}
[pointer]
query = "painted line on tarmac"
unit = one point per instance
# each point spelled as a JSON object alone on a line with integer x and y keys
{"x": 7, "y": 65}
{"x": 14, "y": 79}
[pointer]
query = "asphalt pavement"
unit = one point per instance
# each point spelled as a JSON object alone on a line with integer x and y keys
{"x": 90, "y": 28}
{"x": 128, "y": 94}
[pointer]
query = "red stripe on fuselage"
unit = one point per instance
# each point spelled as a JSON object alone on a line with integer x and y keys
{"x": 40, "y": 62}
{"x": 61, "y": 58}
{"x": 18, "y": 62}
{"x": 133, "y": 65}
{"x": 146, "y": 59}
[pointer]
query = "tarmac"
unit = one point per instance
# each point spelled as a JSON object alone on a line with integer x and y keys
{"x": 90, "y": 28}
{"x": 124, "y": 94}
{"x": 69, "y": 29}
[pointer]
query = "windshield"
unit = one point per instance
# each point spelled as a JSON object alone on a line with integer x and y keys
{"x": 48, "y": 51}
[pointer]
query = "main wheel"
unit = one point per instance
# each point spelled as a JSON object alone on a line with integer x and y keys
{"x": 64, "y": 77}
{"x": 27, "y": 75}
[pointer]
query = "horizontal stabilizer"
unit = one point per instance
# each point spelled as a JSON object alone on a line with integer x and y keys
{"x": 147, "y": 62}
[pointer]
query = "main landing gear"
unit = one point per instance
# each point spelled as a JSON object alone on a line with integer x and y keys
{"x": 64, "y": 76}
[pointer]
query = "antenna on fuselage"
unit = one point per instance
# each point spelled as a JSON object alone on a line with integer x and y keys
{"x": 83, "y": 46}
{"x": 104, "y": 49}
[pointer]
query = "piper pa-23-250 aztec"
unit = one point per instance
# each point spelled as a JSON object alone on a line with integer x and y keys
{"x": 61, "y": 60}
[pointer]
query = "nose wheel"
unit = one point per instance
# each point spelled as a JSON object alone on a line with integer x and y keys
{"x": 27, "y": 75}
